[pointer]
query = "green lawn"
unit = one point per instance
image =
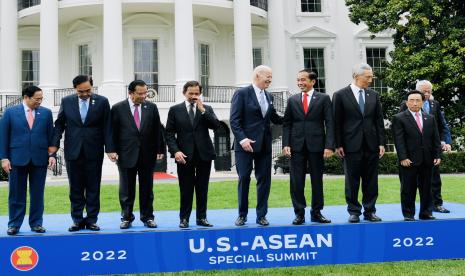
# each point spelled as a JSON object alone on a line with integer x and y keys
{"x": 224, "y": 195}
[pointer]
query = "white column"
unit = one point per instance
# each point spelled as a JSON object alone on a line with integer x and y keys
{"x": 113, "y": 86}
{"x": 9, "y": 68}
{"x": 242, "y": 42}
{"x": 184, "y": 44}
{"x": 49, "y": 70}
{"x": 277, "y": 44}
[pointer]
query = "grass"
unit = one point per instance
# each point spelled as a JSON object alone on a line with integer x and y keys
{"x": 224, "y": 195}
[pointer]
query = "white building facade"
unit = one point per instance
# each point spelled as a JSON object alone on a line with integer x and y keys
{"x": 168, "y": 42}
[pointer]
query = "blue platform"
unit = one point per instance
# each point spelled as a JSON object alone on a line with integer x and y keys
{"x": 167, "y": 248}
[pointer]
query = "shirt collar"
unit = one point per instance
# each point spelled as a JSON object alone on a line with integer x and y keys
{"x": 131, "y": 103}
{"x": 256, "y": 89}
{"x": 355, "y": 88}
{"x": 26, "y": 108}
{"x": 309, "y": 93}
{"x": 188, "y": 104}
{"x": 413, "y": 113}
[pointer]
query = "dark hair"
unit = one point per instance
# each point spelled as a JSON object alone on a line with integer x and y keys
{"x": 133, "y": 84}
{"x": 81, "y": 79}
{"x": 30, "y": 91}
{"x": 311, "y": 75}
{"x": 411, "y": 92}
{"x": 192, "y": 83}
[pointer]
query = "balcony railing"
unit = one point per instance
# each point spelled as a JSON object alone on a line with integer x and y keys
{"x": 261, "y": 4}
{"x": 24, "y": 4}
{"x": 218, "y": 94}
{"x": 59, "y": 94}
{"x": 8, "y": 101}
{"x": 161, "y": 93}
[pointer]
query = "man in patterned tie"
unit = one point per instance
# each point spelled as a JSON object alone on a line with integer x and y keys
{"x": 26, "y": 132}
{"x": 418, "y": 148}
{"x": 138, "y": 140}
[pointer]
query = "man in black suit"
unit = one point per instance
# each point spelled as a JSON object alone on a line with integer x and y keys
{"x": 138, "y": 140}
{"x": 308, "y": 138}
{"x": 85, "y": 119}
{"x": 418, "y": 148}
{"x": 433, "y": 107}
{"x": 360, "y": 140}
{"x": 252, "y": 111}
{"x": 190, "y": 144}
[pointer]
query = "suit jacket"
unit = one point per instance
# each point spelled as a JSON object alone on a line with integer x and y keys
{"x": 410, "y": 143}
{"x": 435, "y": 110}
{"x": 22, "y": 145}
{"x": 130, "y": 142}
{"x": 352, "y": 127}
{"x": 247, "y": 121}
{"x": 90, "y": 136}
{"x": 183, "y": 136}
{"x": 314, "y": 130}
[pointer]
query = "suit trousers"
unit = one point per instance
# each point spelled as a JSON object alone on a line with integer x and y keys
{"x": 436, "y": 184}
{"x": 194, "y": 175}
{"x": 84, "y": 177}
{"x": 411, "y": 178}
{"x": 262, "y": 165}
{"x": 361, "y": 165}
{"x": 127, "y": 191}
{"x": 299, "y": 162}
{"x": 18, "y": 192}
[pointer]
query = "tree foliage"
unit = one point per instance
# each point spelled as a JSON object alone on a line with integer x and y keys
{"x": 429, "y": 42}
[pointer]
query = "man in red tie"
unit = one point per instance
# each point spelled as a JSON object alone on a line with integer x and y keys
{"x": 308, "y": 138}
{"x": 418, "y": 148}
{"x": 138, "y": 139}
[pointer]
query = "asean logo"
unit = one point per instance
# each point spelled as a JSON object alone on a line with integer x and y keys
{"x": 24, "y": 258}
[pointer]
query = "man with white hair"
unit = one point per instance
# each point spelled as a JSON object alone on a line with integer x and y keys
{"x": 360, "y": 139}
{"x": 252, "y": 111}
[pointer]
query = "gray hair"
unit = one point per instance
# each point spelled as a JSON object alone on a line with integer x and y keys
{"x": 359, "y": 69}
{"x": 421, "y": 83}
{"x": 260, "y": 69}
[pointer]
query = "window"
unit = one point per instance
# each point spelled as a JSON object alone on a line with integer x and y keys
{"x": 257, "y": 57}
{"x": 310, "y": 5}
{"x": 30, "y": 68}
{"x": 204, "y": 62}
{"x": 314, "y": 60}
{"x": 85, "y": 60}
{"x": 376, "y": 58}
{"x": 146, "y": 61}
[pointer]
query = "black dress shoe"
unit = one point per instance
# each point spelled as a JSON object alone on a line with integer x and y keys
{"x": 38, "y": 229}
{"x": 372, "y": 217}
{"x": 240, "y": 221}
{"x": 299, "y": 220}
{"x": 440, "y": 209}
{"x": 125, "y": 224}
{"x": 354, "y": 219}
{"x": 12, "y": 231}
{"x": 263, "y": 221}
{"x": 409, "y": 219}
{"x": 93, "y": 227}
{"x": 426, "y": 217}
{"x": 320, "y": 218}
{"x": 76, "y": 227}
{"x": 184, "y": 223}
{"x": 204, "y": 222}
{"x": 150, "y": 224}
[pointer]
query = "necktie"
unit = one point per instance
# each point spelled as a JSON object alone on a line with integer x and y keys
{"x": 83, "y": 110}
{"x": 361, "y": 102}
{"x": 136, "y": 116}
{"x": 426, "y": 107}
{"x": 191, "y": 113}
{"x": 262, "y": 103}
{"x": 305, "y": 103}
{"x": 418, "y": 119}
{"x": 30, "y": 118}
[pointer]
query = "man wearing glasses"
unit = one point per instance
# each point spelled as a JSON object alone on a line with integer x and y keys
{"x": 85, "y": 118}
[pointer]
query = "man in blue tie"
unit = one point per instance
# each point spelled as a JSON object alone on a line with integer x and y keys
{"x": 26, "y": 132}
{"x": 85, "y": 119}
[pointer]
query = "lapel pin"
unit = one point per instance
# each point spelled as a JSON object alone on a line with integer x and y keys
{"x": 38, "y": 113}
{"x": 145, "y": 106}
{"x": 93, "y": 101}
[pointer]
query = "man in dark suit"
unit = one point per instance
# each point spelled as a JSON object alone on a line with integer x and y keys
{"x": 308, "y": 138}
{"x": 190, "y": 144}
{"x": 360, "y": 140}
{"x": 418, "y": 148}
{"x": 138, "y": 140}
{"x": 252, "y": 111}
{"x": 26, "y": 132}
{"x": 433, "y": 107}
{"x": 85, "y": 119}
